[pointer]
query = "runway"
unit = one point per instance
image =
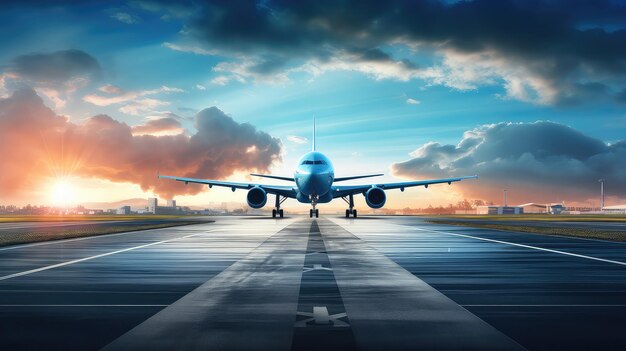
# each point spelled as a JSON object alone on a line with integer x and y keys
{"x": 372, "y": 283}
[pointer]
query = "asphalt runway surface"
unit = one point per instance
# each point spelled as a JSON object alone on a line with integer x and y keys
{"x": 371, "y": 283}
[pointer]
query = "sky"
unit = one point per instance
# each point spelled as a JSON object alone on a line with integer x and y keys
{"x": 97, "y": 97}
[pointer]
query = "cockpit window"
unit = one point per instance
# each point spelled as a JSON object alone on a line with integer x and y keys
{"x": 317, "y": 162}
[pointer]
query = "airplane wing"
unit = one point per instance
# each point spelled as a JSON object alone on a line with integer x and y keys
{"x": 341, "y": 179}
{"x": 345, "y": 190}
{"x": 287, "y": 191}
{"x": 289, "y": 179}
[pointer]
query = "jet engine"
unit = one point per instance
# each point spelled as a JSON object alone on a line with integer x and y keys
{"x": 257, "y": 197}
{"x": 375, "y": 197}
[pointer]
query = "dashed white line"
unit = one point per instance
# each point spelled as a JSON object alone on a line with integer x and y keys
{"x": 516, "y": 244}
{"x": 14, "y": 275}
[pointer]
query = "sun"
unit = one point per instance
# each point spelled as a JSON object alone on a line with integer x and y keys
{"x": 62, "y": 193}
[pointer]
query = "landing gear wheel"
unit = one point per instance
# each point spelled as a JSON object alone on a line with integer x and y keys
{"x": 311, "y": 213}
{"x": 280, "y": 212}
{"x": 274, "y": 213}
{"x": 354, "y": 213}
{"x": 317, "y": 213}
{"x": 347, "y": 213}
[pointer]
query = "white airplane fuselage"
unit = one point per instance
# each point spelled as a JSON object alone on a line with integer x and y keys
{"x": 314, "y": 178}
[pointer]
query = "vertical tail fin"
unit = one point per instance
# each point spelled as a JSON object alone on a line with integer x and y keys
{"x": 313, "y": 132}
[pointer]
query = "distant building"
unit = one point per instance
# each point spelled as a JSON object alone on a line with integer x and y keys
{"x": 124, "y": 210}
{"x": 533, "y": 207}
{"x": 499, "y": 210}
{"x": 153, "y": 203}
{"x": 617, "y": 209}
{"x": 171, "y": 203}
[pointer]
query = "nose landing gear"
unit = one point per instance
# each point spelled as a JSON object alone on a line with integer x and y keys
{"x": 314, "y": 211}
{"x": 351, "y": 210}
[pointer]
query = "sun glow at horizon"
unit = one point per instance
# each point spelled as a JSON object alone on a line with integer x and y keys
{"x": 62, "y": 193}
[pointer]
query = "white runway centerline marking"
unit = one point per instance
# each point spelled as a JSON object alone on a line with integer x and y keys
{"x": 45, "y": 268}
{"x": 516, "y": 244}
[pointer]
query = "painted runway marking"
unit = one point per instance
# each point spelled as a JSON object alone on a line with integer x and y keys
{"x": 320, "y": 316}
{"x": 14, "y": 275}
{"x": 516, "y": 244}
{"x": 316, "y": 267}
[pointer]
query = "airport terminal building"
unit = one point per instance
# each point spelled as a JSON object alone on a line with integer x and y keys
{"x": 617, "y": 209}
{"x": 499, "y": 210}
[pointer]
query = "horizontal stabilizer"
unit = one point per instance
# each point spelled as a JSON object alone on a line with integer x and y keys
{"x": 273, "y": 177}
{"x": 341, "y": 179}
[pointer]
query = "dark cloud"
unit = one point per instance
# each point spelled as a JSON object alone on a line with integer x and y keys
{"x": 569, "y": 48}
{"x": 59, "y": 66}
{"x": 36, "y": 145}
{"x": 541, "y": 161}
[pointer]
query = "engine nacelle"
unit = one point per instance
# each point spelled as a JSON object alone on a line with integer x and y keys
{"x": 375, "y": 197}
{"x": 257, "y": 197}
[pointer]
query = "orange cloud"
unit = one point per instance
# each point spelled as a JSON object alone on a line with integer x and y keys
{"x": 37, "y": 144}
{"x": 159, "y": 126}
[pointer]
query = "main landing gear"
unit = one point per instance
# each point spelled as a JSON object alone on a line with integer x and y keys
{"x": 277, "y": 211}
{"x": 351, "y": 210}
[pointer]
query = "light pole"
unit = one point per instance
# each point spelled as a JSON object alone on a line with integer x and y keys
{"x": 601, "y": 193}
{"x": 504, "y": 197}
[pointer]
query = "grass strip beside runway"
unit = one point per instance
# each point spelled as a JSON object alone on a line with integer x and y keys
{"x": 39, "y": 234}
{"x": 542, "y": 217}
{"x": 10, "y": 218}
{"x": 587, "y": 233}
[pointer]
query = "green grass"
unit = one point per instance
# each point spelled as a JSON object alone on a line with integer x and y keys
{"x": 39, "y": 234}
{"x": 73, "y": 218}
{"x": 542, "y": 217}
{"x": 587, "y": 233}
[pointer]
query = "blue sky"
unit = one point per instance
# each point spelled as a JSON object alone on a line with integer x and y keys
{"x": 380, "y": 87}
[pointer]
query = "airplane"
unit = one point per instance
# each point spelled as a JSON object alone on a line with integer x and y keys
{"x": 313, "y": 182}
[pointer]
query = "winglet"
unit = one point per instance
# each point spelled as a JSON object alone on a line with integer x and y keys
{"x": 313, "y": 132}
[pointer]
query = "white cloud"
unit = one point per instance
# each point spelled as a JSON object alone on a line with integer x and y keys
{"x": 244, "y": 70}
{"x": 125, "y": 17}
{"x": 4, "y": 92}
{"x": 52, "y": 95}
{"x": 200, "y": 87}
{"x": 297, "y": 139}
{"x": 220, "y": 80}
{"x": 110, "y": 89}
{"x": 142, "y": 106}
{"x": 411, "y": 101}
{"x": 463, "y": 71}
{"x": 376, "y": 69}
{"x": 189, "y": 48}
{"x": 135, "y": 102}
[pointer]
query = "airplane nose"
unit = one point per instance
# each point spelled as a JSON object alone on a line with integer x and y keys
{"x": 315, "y": 183}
